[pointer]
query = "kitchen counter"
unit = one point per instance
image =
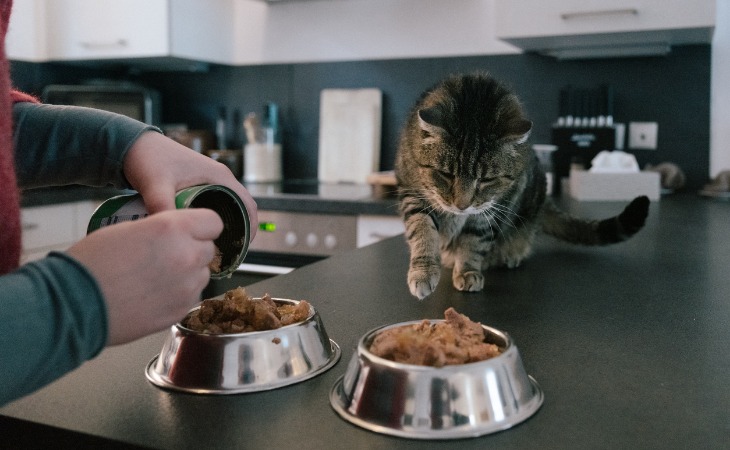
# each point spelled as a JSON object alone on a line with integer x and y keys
{"x": 629, "y": 343}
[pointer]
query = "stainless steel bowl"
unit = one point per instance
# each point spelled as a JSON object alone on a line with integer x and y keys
{"x": 203, "y": 363}
{"x": 449, "y": 402}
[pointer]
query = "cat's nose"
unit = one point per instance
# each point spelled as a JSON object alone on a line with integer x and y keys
{"x": 462, "y": 201}
{"x": 463, "y": 196}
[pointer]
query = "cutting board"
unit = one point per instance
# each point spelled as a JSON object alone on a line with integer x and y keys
{"x": 349, "y": 134}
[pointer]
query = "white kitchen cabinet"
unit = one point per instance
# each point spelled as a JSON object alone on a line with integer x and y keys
{"x": 371, "y": 228}
{"x": 569, "y": 29}
{"x": 99, "y": 29}
{"x": 92, "y": 30}
{"x": 26, "y": 38}
{"x": 339, "y": 30}
{"x": 246, "y": 32}
{"x": 53, "y": 227}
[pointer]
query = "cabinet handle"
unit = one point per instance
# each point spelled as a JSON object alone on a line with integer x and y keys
{"x": 600, "y": 13}
{"x": 26, "y": 226}
{"x": 100, "y": 45}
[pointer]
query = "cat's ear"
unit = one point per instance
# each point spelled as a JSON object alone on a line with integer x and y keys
{"x": 431, "y": 121}
{"x": 519, "y": 132}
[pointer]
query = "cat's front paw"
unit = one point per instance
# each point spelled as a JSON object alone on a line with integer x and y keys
{"x": 422, "y": 282}
{"x": 471, "y": 281}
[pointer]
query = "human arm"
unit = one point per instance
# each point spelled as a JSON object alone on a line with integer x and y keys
{"x": 58, "y": 145}
{"x": 127, "y": 280}
{"x": 61, "y": 145}
{"x": 116, "y": 285}
{"x": 54, "y": 319}
{"x": 134, "y": 260}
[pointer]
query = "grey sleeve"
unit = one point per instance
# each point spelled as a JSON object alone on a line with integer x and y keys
{"x": 54, "y": 319}
{"x": 59, "y": 145}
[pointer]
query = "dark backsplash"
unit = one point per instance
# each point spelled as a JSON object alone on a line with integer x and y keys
{"x": 673, "y": 90}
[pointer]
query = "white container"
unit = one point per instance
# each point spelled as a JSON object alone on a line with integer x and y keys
{"x": 262, "y": 162}
{"x": 585, "y": 185}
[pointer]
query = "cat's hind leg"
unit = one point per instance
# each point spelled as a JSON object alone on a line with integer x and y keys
{"x": 512, "y": 252}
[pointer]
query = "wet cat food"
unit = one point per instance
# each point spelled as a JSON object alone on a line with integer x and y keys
{"x": 457, "y": 340}
{"x": 238, "y": 312}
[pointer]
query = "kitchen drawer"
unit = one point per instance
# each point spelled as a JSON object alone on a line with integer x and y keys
{"x": 45, "y": 226}
{"x": 53, "y": 227}
{"x": 371, "y": 229}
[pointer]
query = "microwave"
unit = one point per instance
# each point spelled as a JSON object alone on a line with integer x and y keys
{"x": 132, "y": 100}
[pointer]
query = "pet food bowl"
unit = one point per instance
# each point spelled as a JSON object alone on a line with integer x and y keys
{"x": 449, "y": 402}
{"x": 234, "y": 363}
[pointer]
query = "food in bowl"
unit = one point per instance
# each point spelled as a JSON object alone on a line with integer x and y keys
{"x": 238, "y": 312}
{"x": 456, "y": 340}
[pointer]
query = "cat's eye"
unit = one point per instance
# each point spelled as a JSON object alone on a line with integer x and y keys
{"x": 487, "y": 182}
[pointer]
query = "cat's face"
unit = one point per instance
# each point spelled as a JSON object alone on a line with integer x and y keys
{"x": 465, "y": 168}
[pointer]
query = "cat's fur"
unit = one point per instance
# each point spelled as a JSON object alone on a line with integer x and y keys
{"x": 472, "y": 194}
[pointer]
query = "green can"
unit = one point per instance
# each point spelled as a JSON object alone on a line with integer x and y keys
{"x": 233, "y": 240}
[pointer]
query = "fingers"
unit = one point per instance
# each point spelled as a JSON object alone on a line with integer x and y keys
{"x": 164, "y": 269}
{"x": 157, "y": 167}
{"x": 203, "y": 224}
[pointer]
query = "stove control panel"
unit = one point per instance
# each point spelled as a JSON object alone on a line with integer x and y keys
{"x": 306, "y": 234}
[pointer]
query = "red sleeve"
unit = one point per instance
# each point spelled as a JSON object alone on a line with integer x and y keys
{"x": 17, "y": 96}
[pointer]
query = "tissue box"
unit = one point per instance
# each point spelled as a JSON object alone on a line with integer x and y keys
{"x": 585, "y": 185}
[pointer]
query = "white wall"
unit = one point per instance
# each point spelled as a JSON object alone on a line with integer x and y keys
{"x": 720, "y": 92}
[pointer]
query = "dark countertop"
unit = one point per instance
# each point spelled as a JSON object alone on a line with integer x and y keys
{"x": 306, "y": 196}
{"x": 629, "y": 343}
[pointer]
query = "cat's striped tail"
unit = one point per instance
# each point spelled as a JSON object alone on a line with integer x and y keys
{"x": 576, "y": 230}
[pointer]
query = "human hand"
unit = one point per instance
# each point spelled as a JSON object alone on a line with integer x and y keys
{"x": 157, "y": 167}
{"x": 150, "y": 271}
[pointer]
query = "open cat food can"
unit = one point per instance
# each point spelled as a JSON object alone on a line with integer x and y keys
{"x": 232, "y": 244}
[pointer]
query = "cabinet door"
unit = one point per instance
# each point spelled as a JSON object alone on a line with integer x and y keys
{"x": 372, "y": 229}
{"x": 47, "y": 228}
{"x": 544, "y": 25}
{"x": 26, "y": 38}
{"x": 53, "y": 227}
{"x": 102, "y": 29}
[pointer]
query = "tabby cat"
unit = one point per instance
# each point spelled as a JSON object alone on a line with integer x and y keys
{"x": 471, "y": 191}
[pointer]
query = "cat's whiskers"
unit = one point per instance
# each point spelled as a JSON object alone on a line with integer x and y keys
{"x": 492, "y": 219}
{"x": 499, "y": 213}
{"x": 506, "y": 214}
